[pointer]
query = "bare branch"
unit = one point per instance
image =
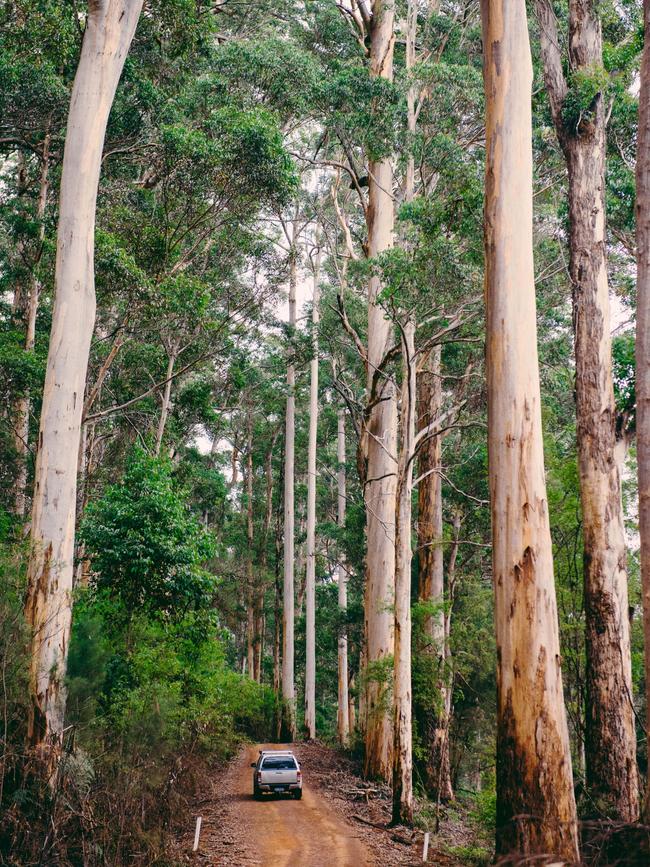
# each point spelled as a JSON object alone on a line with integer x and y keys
{"x": 361, "y": 349}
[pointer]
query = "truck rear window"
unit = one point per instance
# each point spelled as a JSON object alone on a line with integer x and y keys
{"x": 285, "y": 764}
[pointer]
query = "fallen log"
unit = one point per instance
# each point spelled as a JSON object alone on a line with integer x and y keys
{"x": 398, "y": 838}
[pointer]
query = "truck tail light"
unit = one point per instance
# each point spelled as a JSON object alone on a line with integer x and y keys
{"x": 299, "y": 776}
{"x": 259, "y": 776}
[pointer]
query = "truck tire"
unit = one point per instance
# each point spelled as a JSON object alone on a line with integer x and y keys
{"x": 297, "y": 794}
{"x": 257, "y": 795}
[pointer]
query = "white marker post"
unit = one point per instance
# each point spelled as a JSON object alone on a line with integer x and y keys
{"x": 197, "y": 834}
{"x": 425, "y": 850}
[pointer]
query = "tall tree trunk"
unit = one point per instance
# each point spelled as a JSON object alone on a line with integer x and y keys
{"x": 643, "y": 346}
{"x": 431, "y": 570}
{"x": 110, "y": 26}
{"x": 278, "y": 619}
{"x": 21, "y": 410}
{"x": 288, "y": 685}
{"x": 381, "y": 439}
{"x": 310, "y": 581}
{"x": 536, "y": 810}
{"x": 610, "y": 737}
{"x": 403, "y": 736}
{"x": 250, "y": 580}
{"x": 343, "y": 713}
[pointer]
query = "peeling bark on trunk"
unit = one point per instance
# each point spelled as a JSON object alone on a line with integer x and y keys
{"x": 288, "y": 685}
{"x": 310, "y": 580}
{"x": 431, "y": 569}
{"x": 109, "y": 30}
{"x": 610, "y": 737}
{"x": 343, "y": 714}
{"x": 643, "y": 346}
{"x": 536, "y": 812}
{"x": 379, "y": 489}
{"x": 402, "y": 731}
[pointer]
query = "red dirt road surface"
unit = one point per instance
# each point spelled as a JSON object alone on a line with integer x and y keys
{"x": 276, "y": 831}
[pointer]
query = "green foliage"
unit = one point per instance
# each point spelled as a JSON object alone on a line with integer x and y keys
{"x": 484, "y": 811}
{"x": 13, "y": 647}
{"x": 157, "y": 688}
{"x": 472, "y": 855}
{"x": 623, "y": 372}
{"x": 586, "y": 86}
{"x": 145, "y": 547}
{"x": 232, "y": 121}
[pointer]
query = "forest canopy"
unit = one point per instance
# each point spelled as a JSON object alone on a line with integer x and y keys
{"x": 325, "y": 416}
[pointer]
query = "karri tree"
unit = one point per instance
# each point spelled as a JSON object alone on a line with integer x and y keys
{"x": 288, "y": 604}
{"x": 380, "y": 435}
{"x": 536, "y": 811}
{"x": 579, "y": 107}
{"x": 310, "y": 580}
{"x": 110, "y": 26}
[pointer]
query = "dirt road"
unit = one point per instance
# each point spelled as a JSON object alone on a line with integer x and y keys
{"x": 281, "y": 832}
{"x": 330, "y": 827}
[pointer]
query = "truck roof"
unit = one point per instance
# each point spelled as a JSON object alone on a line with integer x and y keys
{"x": 277, "y": 752}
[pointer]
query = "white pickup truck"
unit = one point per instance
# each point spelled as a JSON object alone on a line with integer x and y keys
{"x": 277, "y": 771}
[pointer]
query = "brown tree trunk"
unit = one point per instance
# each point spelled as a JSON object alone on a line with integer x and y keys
{"x": 610, "y": 737}
{"x": 381, "y": 439}
{"x": 536, "y": 812}
{"x": 431, "y": 582}
{"x": 110, "y": 26}
{"x": 643, "y": 347}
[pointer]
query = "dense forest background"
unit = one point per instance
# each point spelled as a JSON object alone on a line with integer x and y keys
{"x": 240, "y": 149}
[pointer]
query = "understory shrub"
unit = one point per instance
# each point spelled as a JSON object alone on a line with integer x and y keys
{"x": 151, "y": 699}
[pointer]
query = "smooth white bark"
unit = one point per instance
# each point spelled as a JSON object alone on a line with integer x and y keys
{"x": 288, "y": 614}
{"x": 402, "y": 692}
{"x": 310, "y": 582}
{"x": 536, "y": 811}
{"x": 110, "y": 26}
{"x": 343, "y": 715}
{"x": 381, "y": 445}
